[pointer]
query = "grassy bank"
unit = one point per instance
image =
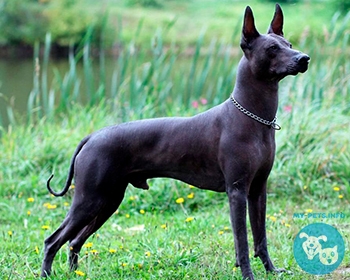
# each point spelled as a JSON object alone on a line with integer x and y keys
{"x": 152, "y": 235}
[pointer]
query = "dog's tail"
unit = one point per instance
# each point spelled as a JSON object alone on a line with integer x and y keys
{"x": 71, "y": 171}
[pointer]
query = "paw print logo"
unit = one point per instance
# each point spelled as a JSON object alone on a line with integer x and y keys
{"x": 319, "y": 248}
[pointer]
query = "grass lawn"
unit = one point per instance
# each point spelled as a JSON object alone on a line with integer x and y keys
{"x": 146, "y": 241}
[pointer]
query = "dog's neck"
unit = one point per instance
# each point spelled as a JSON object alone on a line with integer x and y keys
{"x": 259, "y": 96}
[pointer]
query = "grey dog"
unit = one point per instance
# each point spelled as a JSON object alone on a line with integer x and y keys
{"x": 229, "y": 148}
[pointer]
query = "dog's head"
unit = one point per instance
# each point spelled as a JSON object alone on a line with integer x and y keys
{"x": 311, "y": 245}
{"x": 270, "y": 56}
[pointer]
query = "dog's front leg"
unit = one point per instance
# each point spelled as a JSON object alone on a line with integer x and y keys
{"x": 257, "y": 216}
{"x": 238, "y": 211}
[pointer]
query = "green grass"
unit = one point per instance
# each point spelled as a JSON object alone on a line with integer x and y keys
{"x": 158, "y": 243}
{"x": 311, "y": 171}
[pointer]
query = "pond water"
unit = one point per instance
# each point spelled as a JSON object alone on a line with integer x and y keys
{"x": 16, "y": 83}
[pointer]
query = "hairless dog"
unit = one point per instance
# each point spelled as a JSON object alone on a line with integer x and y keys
{"x": 229, "y": 148}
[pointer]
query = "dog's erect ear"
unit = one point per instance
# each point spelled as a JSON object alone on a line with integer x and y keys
{"x": 249, "y": 32}
{"x": 276, "y": 25}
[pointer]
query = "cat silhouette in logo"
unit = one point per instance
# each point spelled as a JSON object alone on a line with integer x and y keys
{"x": 311, "y": 245}
{"x": 329, "y": 256}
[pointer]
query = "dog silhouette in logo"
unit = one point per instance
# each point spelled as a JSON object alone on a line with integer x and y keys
{"x": 311, "y": 245}
{"x": 329, "y": 256}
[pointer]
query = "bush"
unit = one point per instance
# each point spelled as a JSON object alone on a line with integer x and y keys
{"x": 144, "y": 3}
{"x": 24, "y": 22}
{"x": 68, "y": 21}
{"x": 21, "y": 22}
{"x": 342, "y": 5}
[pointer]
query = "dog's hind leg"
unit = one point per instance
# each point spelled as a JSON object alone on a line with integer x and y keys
{"x": 67, "y": 230}
{"x": 102, "y": 216}
{"x": 87, "y": 213}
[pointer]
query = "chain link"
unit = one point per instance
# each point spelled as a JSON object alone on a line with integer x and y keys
{"x": 272, "y": 123}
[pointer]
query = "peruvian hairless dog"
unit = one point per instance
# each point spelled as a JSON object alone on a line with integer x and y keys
{"x": 229, "y": 148}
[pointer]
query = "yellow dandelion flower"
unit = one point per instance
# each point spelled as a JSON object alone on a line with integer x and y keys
{"x": 29, "y": 213}
{"x": 305, "y": 187}
{"x": 10, "y": 233}
{"x": 124, "y": 264}
{"x": 51, "y": 206}
{"x": 80, "y": 273}
{"x": 45, "y": 227}
{"x": 30, "y": 199}
{"x": 180, "y": 200}
{"x": 132, "y": 198}
{"x": 308, "y": 210}
{"x": 273, "y": 218}
{"x": 140, "y": 265}
{"x": 191, "y": 195}
{"x": 148, "y": 254}
{"x": 36, "y": 249}
{"x": 95, "y": 252}
{"x": 189, "y": 219}
{"x": 163, "y": 226}
{"x": 88, "y": 245}
{"x": 112, "y": 251}
{"x": 191, "y": 187}
{"x": 287, "y": 225}
{"x": 72, "y": 186}
{"x": 340, "y": 196}
{"x": 65, "y": 204}
{"x": 227, "y": 228}
{"x": 336, "y": 189}
{"x": 221, "y": 232}
{"x": 127, "y": 216}
{"x": 142, "y": 211}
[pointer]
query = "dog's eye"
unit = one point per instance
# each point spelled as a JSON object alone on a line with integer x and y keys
{"x": 273, "y": 48}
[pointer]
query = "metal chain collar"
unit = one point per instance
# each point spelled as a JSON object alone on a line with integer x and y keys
{"x": 271, "y": 124}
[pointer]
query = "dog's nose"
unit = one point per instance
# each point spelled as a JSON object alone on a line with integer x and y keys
{"x": 303, "y": 59}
